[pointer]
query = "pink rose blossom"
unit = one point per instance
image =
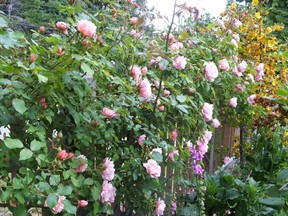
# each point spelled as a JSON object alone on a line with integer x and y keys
{"x": 32, "y": 57}
{"x": 236, "y": 37}
{"x": 233, "y": 102}
{"x": 152, "y": 168}
{"x": 108, "y": 112}
{"x": 220, "y": 23}
{"x": 42, "y": 29}
{"x": 235, "y": 58}
{"x": 190, "y": 43}
{"x": 145, "y": 89}
{"x": 136, "y": 73}
{"x": 237, "y": 23}
{"x": 260, "y": 72}
{"x": 173, "y": 208}
{"x": 207, "y": 112}
{"x": 144, "y": 70}
{"x": 60, "y": 206}
{"x": 62, "y": 154}
{"x": 239, "y": 88}
{"x": 108, "y": 193}
{"x": 62, "y": 26}
{"x": 141, "y": 139}
{"x": 134, "y": 20}
{"x": 160, "y": 207}
{"x": 211, "y": 71}
{"x": 236, "y": 72}
{"x": 82, "y": 166}
{"x": 161, "y": 108}
{"x": 214, "y": 50}
{"x": 109, "y": 172}
{"x": 167, "y": 92}
{"x": 224, "y": 65}
{"x": 227, "y": 160}
{"x": 251, "y": 98}
{"x": 171, "y": 155}
{"x": 179, "y": 62}
{"x": 174, "y": 135}
{"x": 234, "y": 42}
{"x": 132, "y": 32}
{"x": 242, "y": 67}
{"x": 215, "y": 123}
{"x": 175, "y": 47}
{"x": 82, "y": 203}
{"x": 86, "y": 28}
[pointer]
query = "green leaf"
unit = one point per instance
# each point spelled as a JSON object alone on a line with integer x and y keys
{"x": 181, "y": 98}
{"x": 182, "y": 108}
{"x": 42, "y": 79}
{"x": 43, "y": 186}
{"x": 3, "y": 22}
{"x": 89, "y": 181}
{"x": 274, "y": 202}
{"x": 191, "y": 210}
{"x": 87, "y": 69}
{"x": 54, "y": 180}
{"x": 69, "y": 207}
{"x": 25, "y": 154}
{"x": 13, "y": 143}
{"x": 64, "y": 190}
{"x": 36, "y": 145}
{"x": 20, "y": 210}
{"x": 19, "y": 105}
{"x": 282, "y": 175}
{"x": 17, "y": 184}
{"x": 95, "y": 193}
{"x": 157, "y": 156}
{"x": 52, "y": 200}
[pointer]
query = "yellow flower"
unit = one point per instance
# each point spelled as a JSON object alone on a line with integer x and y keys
{"x": 258, "y": 15}
{"x": 255, "y": 2}
{"x": 233, "y": 6}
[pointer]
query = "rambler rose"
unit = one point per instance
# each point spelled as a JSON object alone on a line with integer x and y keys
{"x": 233, "y": 102}
{"x": 86, "y": 28}
{"x": 109, "y": 172}
{"x": 82, "y": 203}
{"x": 260, "y": 72}
{"x": 108, "y": 193}
{"x": 62, "y": 26}
{"x": 108, "y": 112}
{"x": 179, "y": 62}
{"x": 171, "y": 155}
{"x": 134, "y": 20}
{"x": 211, "y": 71}
{"x": 215, "y": 123}
{"x": 207, "y": 112}
{"x": 141, "y": 139}
{"x": 251, "y": 98}
{"x": 224, "y": 65}
{"x": 174, "y": 135}
{"x": 145, "y": 89}
{"x": 152, "y": 168}
{"x": 160, "y": 207}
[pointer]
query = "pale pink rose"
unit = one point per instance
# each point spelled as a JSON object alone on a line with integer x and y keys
{"x": 171, "y": 155}
{"x": 108, "y": 193}
{"x": 190, "y": 43}
{"x": 134, "y": 20}
{"x": 160, "y": 207}
{"x": 152, "y": 168}
{"x": 260, "y": 72}
{"x": 207, "y": 111}
{"x": 60, "y": 206}
{"x": 227, "y": 160}
{"x": 86, "y": 28}
{"x": 161, "y": 108}
{"x": 159, "y": 150}
{"x": 215, "y": 123}
{"x": 211, "y": 71}
{"x": 82, "y": 166}
{"x": 179, "y": 62}
{"x": 62, "y": 26}
{"x": 207, "y": 135}
{"x": 137, "y": 35}
{"x": 136, "y": 73}
{"x": 214, "y": 50}
{"x": 144, "y": 70}
{"x": 239, "y": 88}
{"x": 82, "y": 203}
{"x": 108, "y": 112}
{"x": 202, "y": 145}
{"x": 158, "y": 59}
{"x": 233, "y": 102}
{"x": 230, "y": 31}
{"x": 236, "y": 37}
{"x": 234, "y": 42}
{"x": 174, "y": 135}
{"x": 235, "y": 58}
{"x": 242, "y": 67}
{"x": 167, "y": 93}
{"x": 189, "y": 144}
{"x": 175, "y": 47}
{"x": 145, "y": 89}
{"x": 109, "y": 172}
{"x": 132, "y": 32}
{"x": 236, "y": 72}
{"x": 62, "y": 154}
{"x": 251, "y": 98}
{"x": 237, "y": 23}
{"x": 221, "y": 24}
{"x": 224, "y": 65}
{"x": 141, "y": 139}
{"x": 32, "y": 57}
